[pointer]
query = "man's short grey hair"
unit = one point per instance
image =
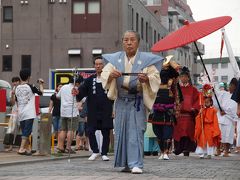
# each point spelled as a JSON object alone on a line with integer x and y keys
{"x": 132, "y": 31}
{"x": 99, "y": 57}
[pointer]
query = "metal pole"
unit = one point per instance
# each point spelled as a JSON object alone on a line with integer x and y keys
{"x": 74, "y": 81}
{"x": 207, "y": 75}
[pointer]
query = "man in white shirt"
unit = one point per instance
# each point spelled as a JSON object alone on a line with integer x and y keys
{"x": 25, "y": 98}
{"x": 69, "y": 115}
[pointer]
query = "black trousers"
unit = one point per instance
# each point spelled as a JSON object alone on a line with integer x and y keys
{"x": 93, "y": 141}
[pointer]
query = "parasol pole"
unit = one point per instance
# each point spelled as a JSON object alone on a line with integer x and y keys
{"x": 201, "y": 118}
{"x": 207, "y": 75}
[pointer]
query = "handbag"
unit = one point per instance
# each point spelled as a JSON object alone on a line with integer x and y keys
{"x": 9, "y": 139}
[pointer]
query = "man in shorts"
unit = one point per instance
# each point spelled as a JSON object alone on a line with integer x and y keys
{"x": 69, "y": 115}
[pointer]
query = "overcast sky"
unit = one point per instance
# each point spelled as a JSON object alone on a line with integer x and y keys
{"x": 206, "y": 9}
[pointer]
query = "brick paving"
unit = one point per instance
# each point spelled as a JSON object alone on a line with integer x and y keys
{"x": 179, "y": 167}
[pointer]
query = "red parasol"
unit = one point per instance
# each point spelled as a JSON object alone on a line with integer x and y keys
{"x": 191, "y": 32}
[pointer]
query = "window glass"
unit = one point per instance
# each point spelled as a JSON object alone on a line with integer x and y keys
{"x": 137, "y": 22}
{"x": 157, "y": 2}
{"x": 224, "y": 79}
{"x": 159, "y": 37}
{"x": 146, "y": 32}
{"x": 79, "y": 8}
{"x": 224, "y": 65}
{"x": 26, "y": 61}
{"x": 142, "y": 28}
{"x": 214, "y": 66}
{"x": 7, "y": 14}
{"x": 93, "y": 7}
{"x": 215, "y": 78}
{"x": 7, "y": 63}
{"x": 155, "y": 36}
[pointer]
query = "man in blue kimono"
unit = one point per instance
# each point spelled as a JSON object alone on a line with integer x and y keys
{"x": 132, "y": 80}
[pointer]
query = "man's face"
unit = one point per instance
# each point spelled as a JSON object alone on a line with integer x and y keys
{"x": 98, "y": 65}
{"x": 130, "y": 43}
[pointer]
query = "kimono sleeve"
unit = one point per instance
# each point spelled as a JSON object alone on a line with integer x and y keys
{"x": 198, "y": 128}
{"x": 110, "y": 86}
{"x": 150, "y": 90}
{"x": 216, "y": 128}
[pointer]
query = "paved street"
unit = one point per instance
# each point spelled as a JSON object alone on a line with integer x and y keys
{"x": 178, "y": 167}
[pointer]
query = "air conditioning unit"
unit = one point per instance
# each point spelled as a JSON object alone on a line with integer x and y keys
{"x": 60, "y": 1}
{"x": 25, "y": 2}
{"x": 22, "y": 2}
{"x": 64, "y": 1}
{"x": 51, "y": 1}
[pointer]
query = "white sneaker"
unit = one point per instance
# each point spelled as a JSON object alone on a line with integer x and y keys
{"x": 93, "y": 156}
{"x": 201, "y": 156}
{"x": 105, "y": 158}
{"x": 161, "y": 157}
{"x": 165, "y": 157}
{"x": 137, "y": 170}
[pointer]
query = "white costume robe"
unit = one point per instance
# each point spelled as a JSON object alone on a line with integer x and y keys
{"x": 227, "y": 121}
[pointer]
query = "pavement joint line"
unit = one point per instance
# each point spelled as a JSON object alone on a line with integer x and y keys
{"x": 40, "y": 160}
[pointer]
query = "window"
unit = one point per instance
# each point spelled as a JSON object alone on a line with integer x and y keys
{"x": 86, "y": 16}
{"x": 214, "y": 66}
{"x": 170, "y": 25}
{"x": 7, "y": 63}
{"x": 7, "y": 14}
{"x": 159, "y": 37}
{"x": 224, "y": 79}
{"x": 224, "y": 65}
{"x": 132, "y": 18}
{"x": 79, "y": 8}
{"x": 157, "y": 2}
{"x": 146, "y": 32}
{"x": 93, "y": 7}
{"x": 144, "y": 2}
{"x": 151, "y": 2}
{"x": 142, "y": 28}
{"x": 215, "y": 78}
{"x": 137, "y": 22}
{"x": 155, "y": 36}
{"x": 26, "y": 61}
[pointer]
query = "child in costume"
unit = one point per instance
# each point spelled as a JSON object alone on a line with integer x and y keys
{"x": 207, "y": 131}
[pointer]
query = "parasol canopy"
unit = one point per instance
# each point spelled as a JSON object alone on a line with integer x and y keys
{"x": 190, "y": 32}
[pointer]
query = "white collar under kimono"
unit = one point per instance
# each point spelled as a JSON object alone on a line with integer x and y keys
{"x": 128, "y": 68}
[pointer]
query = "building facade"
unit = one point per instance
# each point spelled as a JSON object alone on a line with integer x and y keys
{"x": 68, "y": 33}
{"x": 48, "y": 34}
{"x": 218, "y": 70}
